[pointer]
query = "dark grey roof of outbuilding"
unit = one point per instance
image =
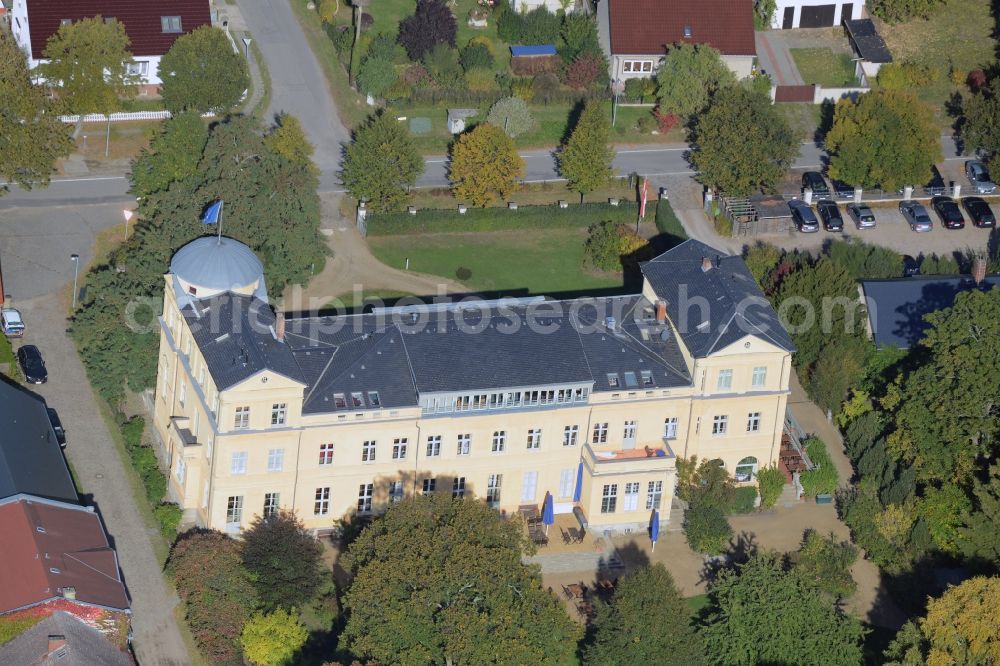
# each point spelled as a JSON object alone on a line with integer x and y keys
{"x": 235, "y": 335}
{"x": 716, "y": 307}
{"x": 31, "y": 461}
{"x": 896, "y": 308}
{"x": 85, "y": 646}
{"x": 867, "y": 42}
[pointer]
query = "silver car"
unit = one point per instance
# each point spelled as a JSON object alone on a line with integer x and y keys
{"x": 862, "y": 215}
{"x": 979, "y": 176}
{"x": 916, "y": 215}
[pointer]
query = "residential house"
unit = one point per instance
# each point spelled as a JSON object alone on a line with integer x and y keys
{"x": 31, "y": 461}
{"x": 589, "y": 400}
{"x": 636, "y": 34}
{"x": 62, "y": 639}
{"x": 152, "y": 27}
{"x": 815, "y": 13}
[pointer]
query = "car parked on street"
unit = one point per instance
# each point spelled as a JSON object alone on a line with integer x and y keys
{"x": 813, "y": 180}
{"x": 979, "y": 212}
{"x": 11, "y": 323}
{"x": 32, "y": 365}
{"x": 862, "y": 215}
{"x": 948, "y": 212}
{"x": 979, "y": 176}
{"x": 842, "y": 190}
{"x": 829, "y": 212}
{"x": 804, "y": 217}
{"x": 916, "y": 215}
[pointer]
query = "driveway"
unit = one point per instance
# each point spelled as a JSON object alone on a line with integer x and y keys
{"x": 102, "y": 477}
{"x": 775, "y": 58}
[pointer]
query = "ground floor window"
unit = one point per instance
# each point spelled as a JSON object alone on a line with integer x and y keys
{"x": 634, "y": 66}
{"x": 322, "y": 505}
{"x": 493, "y": 490}
{"x": 609, "y": 498}
{"x": 430, "y": 485}
{"x": 395, "y": 491}
{"x": 234, "y": 509}
{"x": 631, "y": 496}
{"x": 365, "y": 493}
{"x": 270, "y": 504}
{"x": 567, "y": 478}
{"x": 458, "y": 487}
{"x": 654, "y": 495}
{"x": 529, "y": 486}
{"x": 746, "y": 469}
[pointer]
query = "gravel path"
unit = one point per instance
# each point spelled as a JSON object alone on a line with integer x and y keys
{"x": 102, "y": 477}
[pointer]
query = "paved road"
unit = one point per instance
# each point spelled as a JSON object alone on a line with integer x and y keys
{"x": 101, "y": 474}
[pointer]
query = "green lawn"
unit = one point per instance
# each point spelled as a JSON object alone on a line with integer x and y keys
{"x": 823, "y": 66}
{"x": 697, "y": 603}
{"x": 350, "y": 300}
{"x": 513, "y": 262}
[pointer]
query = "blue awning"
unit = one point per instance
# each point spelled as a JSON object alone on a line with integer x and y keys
{"x": 539, "y": 50}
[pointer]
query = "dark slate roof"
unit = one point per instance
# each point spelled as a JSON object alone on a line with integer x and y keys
{"x": 140, "y": 17}
{"x": 85, "y": 646}
{"x": 650, "y": 26}
{"x": 30, "y": 458}
{"x": 866, "y": 40}
{"x": 896, "y": 308}
{"x": 235, "y": 335}
{"x": 486, "y": 348}
{"x": 734, "y": 306}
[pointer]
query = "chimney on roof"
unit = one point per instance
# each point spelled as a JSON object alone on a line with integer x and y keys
{"x": 979, "y": 268}
{"x": 661, "y": 312}
{"x": 279, "y": 326}
{"x": 69, "y": 593}
{"x": 706, "y": 264}
{"x": 56, "y": 641}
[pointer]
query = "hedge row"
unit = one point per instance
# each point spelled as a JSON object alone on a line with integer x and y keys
{"x": 437, "y": 221}
{"x": 143, "y": 459}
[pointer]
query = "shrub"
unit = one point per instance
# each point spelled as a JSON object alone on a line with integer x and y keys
{"x": 645, "y": 124}
{"x": 826, "y": 563}
{"x": 432, "y": 24}
{"x": 416, "y": 75}
{"x": 665, "y": 121}
{"x": 823, "y": 479}
{"x": 584, "y": 71}
{"x": 463, "y": 273}
{"x": 634, "y": 89}
{"x": 132, "y": 431}
{"x": 168, "y": 515}
{"x": 706, "y": 529}
{"x": 545, "y": 86}
{"x": 284, "y": 560}
{"x": 376, "y": 76}
{"x": 903, "y": 76}
{"x": 704, "y": 483}
{"x": 770, "y": 483}
{"x": 383, "y": 45}
{"x": 480, "y": 80}
{"x": 523, "y": 88}
{"x": 327, "y": 10}
{"x": 976, "y": 80}
{"x": 341, "y": 37}
{"x": 614, "y": 245}
{"x": 744, "y": 499}
{"x": 476, "y": 55}
{"x": 539, "y": 26}
{"x": 367, "y": 21}
{"x": 512, "y": 115}
{"x": 442, "y": 63}
{"x": 273, "y": 639}
{"x": 579, "y": 36}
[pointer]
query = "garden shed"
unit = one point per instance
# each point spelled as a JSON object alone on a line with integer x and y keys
{"x": 531, "y": 60}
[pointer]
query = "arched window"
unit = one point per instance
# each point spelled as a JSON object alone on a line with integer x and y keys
{"x": 746, "y": 469}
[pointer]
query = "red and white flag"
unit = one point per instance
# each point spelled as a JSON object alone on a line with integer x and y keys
{"x": 643, "y": 198}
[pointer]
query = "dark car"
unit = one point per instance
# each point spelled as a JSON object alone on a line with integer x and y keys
{"x": 57, "y": 427}
{"x": 814, "y": 181}
{"x": 979, "y": 212}
{"x": 842, "y": 190}
{"x": 948, "y": 211}
{"x": 32, "y": 365}
{"x": 805, "y": 218}
{"x": 829, "y": 212}
{"x": 911, "y": 266}
{"x": 915, "y": 215}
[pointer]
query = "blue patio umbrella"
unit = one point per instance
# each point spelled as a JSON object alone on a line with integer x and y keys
{"x": 654, "y": 528}
{"x": 579, "y": 483}
{"x": 548, "y": 514}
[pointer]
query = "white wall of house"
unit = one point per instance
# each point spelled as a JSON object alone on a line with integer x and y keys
{"x": 553, "y": 6}
{"x": 844, "y": 11}
{"x": 644, "y": 66}
{"x": 19, "y": 26}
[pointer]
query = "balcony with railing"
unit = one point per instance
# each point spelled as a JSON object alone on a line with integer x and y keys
{"x": 648, "y": 458}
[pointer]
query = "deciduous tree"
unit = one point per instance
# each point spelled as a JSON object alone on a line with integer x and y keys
{"x": 376, "y": 75}
{"x": 761, "y": 614}
{"x": 285, "y": 560}
{"x": 512, "y": 115}
{"x": 742, "y": 144}
{"x": 381, "y": 163}
{"x": 896, "y": 11}
{"x": 980, "y": 129}
{"x": 202, "y": 72}
{"x": 432, "y": 23}
{"x": 31, "y": 136}
{"x": 288, "y": 139}
{"x": 826, "y": 563}
{"x": 689, "y": 77}
{"x": 440, "y": 580}
{"x": 961, "y": 626}
{"x": 585, "y": 159}
{"x": 274, "y": 638}
{"x": 614, "y": 245}
{"x": 87, "y": 65}
{"x": 886, "y": 139}
{"x": 172, "y": 155}
{"x": 647, "y": 622}
{"x": 978, "y": 536}
{"x": 484, "y": 165}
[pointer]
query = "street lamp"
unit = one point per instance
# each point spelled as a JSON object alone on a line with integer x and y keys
{"x": 617, "y": 87}
{"x": 75, "y": 258}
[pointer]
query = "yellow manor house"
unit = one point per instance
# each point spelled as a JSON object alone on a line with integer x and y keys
{"x": 591, "y": 400}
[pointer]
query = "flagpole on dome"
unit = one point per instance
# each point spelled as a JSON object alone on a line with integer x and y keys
{"x": 213, "y": 215}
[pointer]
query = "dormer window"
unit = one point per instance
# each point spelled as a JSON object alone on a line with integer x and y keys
{"x": 612, "y": 380}
{"x": 630, "y": 380}
{"x": 374, "y": 399}
{"x": 647, "y": 378}
{"x": 339, "y": 401}
{"x": 687, "y": 32}
{"x": 170, "y": 24}
{"x": 193, "y": 291}
{"x": 357, "y": 400}
{"x": 65, "y": 21}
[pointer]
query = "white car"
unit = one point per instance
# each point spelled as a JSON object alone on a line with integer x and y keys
{"x": 11, "y": 323}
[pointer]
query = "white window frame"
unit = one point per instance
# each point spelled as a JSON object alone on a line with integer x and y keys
{"x": 279, "y": 413}
{"x": 182, "y": 393}
{"x": 368, "y": 450}
{"x": 745, "y": 475}
{"x": 241, "y": 419}
{"x": 654, "y": 495}
{"x": 670, "y": 427}
{"x": 272, "y": 502}
{"x": 180, "y": 469}
{"x": 759, "y": 376}
{"x": 571, "y": 435}
{"x": 365, "y": 493}
{"x": 398, "y": 449}
{"x": 720, "y": 424}
{"x": 629, "y": 431}
{"x": 433, "y": 446}
{"x": 630, "y": 500}
{"x": 429, "y": 485}
{"x": 139, "y": 68}
{"x": 458, "y": 487}
{"x": 499, "y": 442}
{"x": 600, "y": 435}
{"x": 494, "y": 485}
{"x": 567, "y": 482}
{"x": 238, "y": 463}
{"x": 529, "y": 486}
{"x": 326, "y": 454}
{"x": 609, "y": 498}
{"x": 637, "y": 66}
{"x": 275, "y": 460}
{"x": 753, "y": 422}
{"x": 321, "y": 505}
{"x": 464, "y": 442}
{"x": 725, "y": 380}
{"x": 534, "y": 439}
{"x": 396, "y": 491}
{"x": 234, "y": 510}
{"x": 171, "y": 25}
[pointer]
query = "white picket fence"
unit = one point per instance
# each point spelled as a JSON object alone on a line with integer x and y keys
{"x": 127, "y": 115}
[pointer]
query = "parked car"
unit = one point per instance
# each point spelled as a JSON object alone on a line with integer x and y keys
{"x": 862, "y": 215}
{"x": 916, "y": 215}
{"x": 11, "y": 322}
{"x": 948, "y": 211}
{"x": 979, "y": 212}
{"x": 842, "y": 190}
{"x": 829, "y": 212}
{"x": 57, "y": 427}
{"x": 979, "y": 176}
{"x": 814, "y": 181}
{"x": 32, "y": 365}
{"x": 805, "y": 218}
{"x": 911, "y": 266}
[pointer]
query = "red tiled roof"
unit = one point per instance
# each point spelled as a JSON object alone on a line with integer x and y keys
{"x": 141, "y": 19}
{"x": 648, "y": 26}
{"x": 71, "y": 551}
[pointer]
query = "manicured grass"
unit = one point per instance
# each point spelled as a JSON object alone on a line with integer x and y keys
{"x": 823, "y": 66}
{"x": 532, "y": 194}
{"x": 958, "y": 36}
{"x": 512, "y": 262}
{"x": 803, "y": 117}
{"x": 697, "y": 603}
{"x": 668, "y": 224}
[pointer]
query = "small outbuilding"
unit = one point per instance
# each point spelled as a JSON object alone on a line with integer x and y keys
{"x": 870, "y": 48}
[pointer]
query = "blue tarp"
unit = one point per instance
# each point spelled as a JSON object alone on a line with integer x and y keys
{"x": 539, "y": 50}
